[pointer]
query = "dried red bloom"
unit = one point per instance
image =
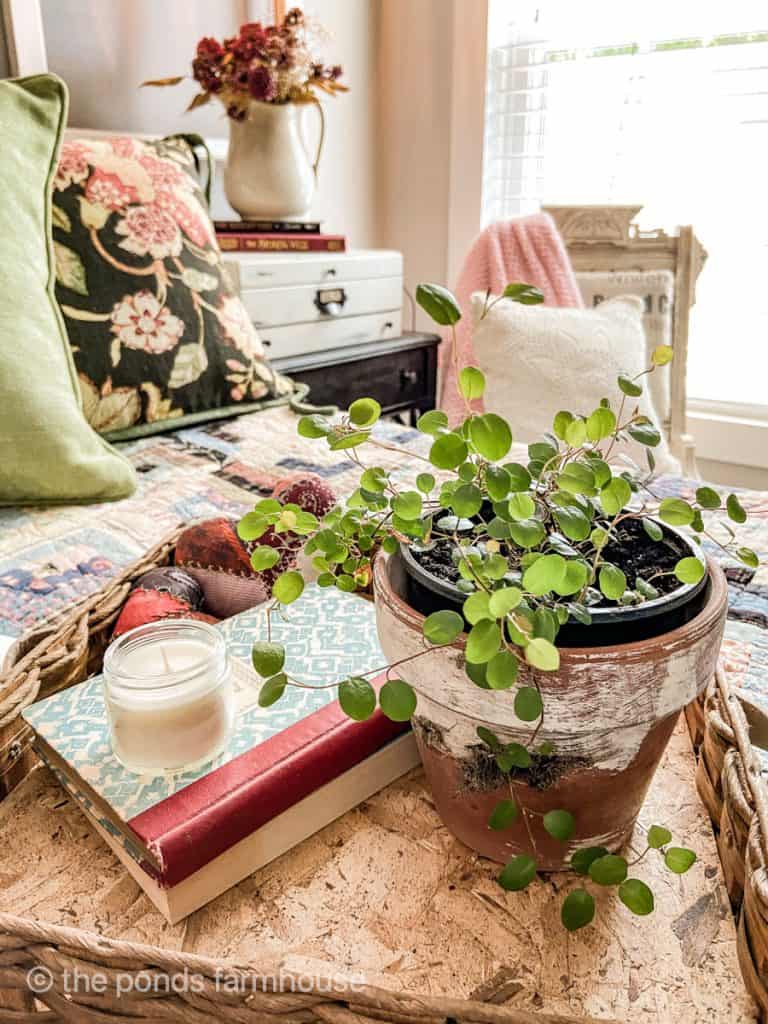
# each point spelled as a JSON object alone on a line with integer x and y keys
{"x": 294, "y": 17}
{"x": 209, "y": 48}
{"x": 336, "y": 71}
{"x": 261, "y": 84}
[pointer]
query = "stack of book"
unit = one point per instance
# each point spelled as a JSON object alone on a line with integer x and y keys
{"x": 276, "y": 236}
{"x": 287, "y": 771}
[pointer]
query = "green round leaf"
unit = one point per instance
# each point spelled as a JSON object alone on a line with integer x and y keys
{"x": 676, "y": 512}
{"x": 490, "y": 739}
{"x": 407, "y": 505}
{"x": 636, "y": 895}
{"x": 471, "y": 382}
{"x": 477, "y": 607}
{"x": 425, "y": 482}
{"x": 629, "y": 387}
{"x": 608, "y": 870}
{"x": 708, "y": 497}
{"x": 397, "y": 700}
{"x": 612, "y": 582}
{"x": 645, "y": 433}
{"x": 544, "y": 575}
{"x": 658, "y": 836}
{"x": 448, "y": 451}
{"x": 690, "y": 570}
{"x": 438, "y": 303}
{"x": 541, "y": 654}
{"x": 357, "y": 698}
{"x": 601, "y": 423}
{"x": 517, "y": 756}
{"x": 559, "y": 824}
{"x": 518, "y": 873}
{"x": 374, "y": 479}
{"x": 748, "y": 557}
{"x": 503, "y": 815}
{"x": 528, "y": 704}
{"x": 735, "y": 512}
{"x": 287, "y": 587}
{"x": 390, "y": 545}
{"x": 561, "y": 422}
{"x": 503, "y": 601}
{"x": 314, "y": 426}
{"x": 502, "y": 670}
{"x": 339, "y": 441}
{"x": 364, "y": 412}
{"x": 490, "y": 435}
{"x": 252, "y": 526}
{"x": 432, "y": 422}
{"x": 573, "y": 522}
{"x": 576, "y": 433}
{"x": 264, "y": 557}
{"x": 662, "y": 355}
{"x": 497, "y": 483}
{"x": 528, "y": 533}
{"x": 581, "y": 860}
{"x": 577, "y": 478}
{"x": 267, "y": 658}
{"x": 578, "y": 910}
{"x": 679, "y": 859}
{"x": 483, "y": 641}
{"x": 467, "y": 500}
{"x": 525, "y": 294}
{"x": 653, "y": 529}
{"x": 615, "y": 495}
{"x": 272, "y": 690}
{"x": 521, "y": 506}
{"x": 576, "y": 575}
{"x": 443, "y": 627}
{"x": 519, "y": 477}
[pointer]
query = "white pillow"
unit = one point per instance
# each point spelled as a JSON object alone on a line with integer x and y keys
{"x": 539, "y": 359}
{"x": 657, "y": 289}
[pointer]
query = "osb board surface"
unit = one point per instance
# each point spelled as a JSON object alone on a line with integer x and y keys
{"x": 387, "y": 891}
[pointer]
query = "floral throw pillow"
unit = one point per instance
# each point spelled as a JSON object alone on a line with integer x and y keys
{"x": 158, "y": 336}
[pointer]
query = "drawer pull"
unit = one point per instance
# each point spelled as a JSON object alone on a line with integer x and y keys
{"x": 408, "y": 377}
{"x": 330, "y": 301}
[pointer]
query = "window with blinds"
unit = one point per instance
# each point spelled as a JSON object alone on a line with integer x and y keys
{"x": 665, "y": 105}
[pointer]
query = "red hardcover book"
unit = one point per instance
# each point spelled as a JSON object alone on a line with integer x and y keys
{"x": 244, "y": 241}
{"x": 287, "y": 772}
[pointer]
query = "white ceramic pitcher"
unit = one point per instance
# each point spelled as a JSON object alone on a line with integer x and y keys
{"x": 269, "y": 173}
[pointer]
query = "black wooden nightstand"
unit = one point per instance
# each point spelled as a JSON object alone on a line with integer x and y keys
{"x": 401, "y": 374}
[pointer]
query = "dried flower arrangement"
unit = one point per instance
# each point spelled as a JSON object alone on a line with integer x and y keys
{"x": 266, "y": 63}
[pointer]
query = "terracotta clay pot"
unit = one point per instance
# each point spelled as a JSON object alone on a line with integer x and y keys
{"x": 608, "y": 712}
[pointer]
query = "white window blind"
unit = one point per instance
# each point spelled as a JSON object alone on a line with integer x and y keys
{"x": 665, "y": 105}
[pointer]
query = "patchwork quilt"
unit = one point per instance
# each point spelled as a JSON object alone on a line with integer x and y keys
{"x": 51, "y": 557}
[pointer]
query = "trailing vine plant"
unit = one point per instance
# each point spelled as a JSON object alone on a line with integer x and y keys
{"x": 538, "y": 558}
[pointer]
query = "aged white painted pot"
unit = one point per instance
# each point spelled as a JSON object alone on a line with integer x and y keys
{"x": 608, "y": 712}
{"x": 269, "y": 172}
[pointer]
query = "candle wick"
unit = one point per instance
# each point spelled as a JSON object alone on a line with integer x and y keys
{"x": 166, "y": 663}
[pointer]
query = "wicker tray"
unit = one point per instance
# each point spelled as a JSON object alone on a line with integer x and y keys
{"x": 66, "y": 651}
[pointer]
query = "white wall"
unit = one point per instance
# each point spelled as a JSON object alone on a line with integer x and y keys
{"x": 432, "y": 57}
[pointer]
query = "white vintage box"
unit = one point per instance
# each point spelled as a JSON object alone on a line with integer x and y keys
{"x": 309, "y": 302}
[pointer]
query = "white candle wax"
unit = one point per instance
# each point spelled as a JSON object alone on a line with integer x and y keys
{"x": 169, "y": 696}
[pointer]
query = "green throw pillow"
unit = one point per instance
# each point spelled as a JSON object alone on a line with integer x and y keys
{"x": 48, "y": 453}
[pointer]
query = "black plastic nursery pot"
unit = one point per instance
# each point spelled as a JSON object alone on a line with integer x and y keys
{"x": 619, "y": 624}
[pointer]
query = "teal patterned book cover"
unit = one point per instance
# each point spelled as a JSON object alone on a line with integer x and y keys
{"x": 327, "y": 635}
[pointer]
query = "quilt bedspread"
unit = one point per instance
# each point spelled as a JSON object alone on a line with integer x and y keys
{"x": 51, "y": 557}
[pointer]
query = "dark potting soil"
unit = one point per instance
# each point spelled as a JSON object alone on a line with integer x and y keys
{"x": 632, "y": 550}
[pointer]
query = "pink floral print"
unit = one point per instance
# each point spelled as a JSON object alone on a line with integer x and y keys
{"x": 150, "y": 230}
{"x": 140, "y": 322}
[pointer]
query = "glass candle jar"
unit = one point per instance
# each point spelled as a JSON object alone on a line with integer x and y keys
{"x": 169, "y": 695}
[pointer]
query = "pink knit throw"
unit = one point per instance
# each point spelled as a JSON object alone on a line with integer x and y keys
{"x": 527, "y": 249}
